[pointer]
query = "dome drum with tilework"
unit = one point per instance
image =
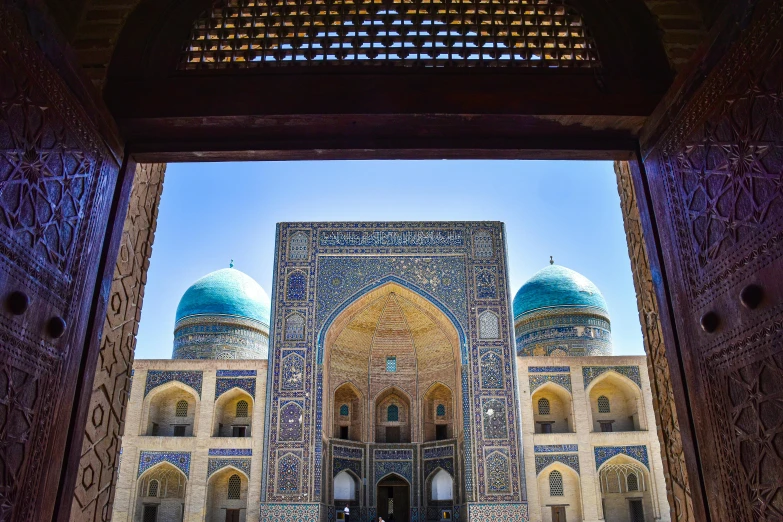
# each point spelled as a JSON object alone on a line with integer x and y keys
{"x": 223, "y": 315}
{"x": 559, "y": 312}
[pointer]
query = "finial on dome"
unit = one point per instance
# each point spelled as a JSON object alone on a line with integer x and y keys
{"x": 231, "y": 264}
{"x": 551, "y": 260}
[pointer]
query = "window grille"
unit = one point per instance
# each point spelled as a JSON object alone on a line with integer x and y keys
{"x": 637, "y": 511}
{"x": 294, "y": 327}
{"x": 440, "y": 411}
{"x": 153, "y": 488}
{"x": 603, "y": 405}
{"x": 428, "y": 33}
{"x": 242, "y": 408}
{"x": 344, "y": 411}
{"x": 633, "y": 482}
{"x": 391, "y": 364}
{"x": 150, "y": 514}
{"x": 393, "y": 413}
{"x": 543, "y": 406}
{"x": 555, "y": 484}
{"x": 182, "y": 409}
{"x": 234, "y": 487}
{"x": 297, "y": 246}
{"x": 489, "y": 326}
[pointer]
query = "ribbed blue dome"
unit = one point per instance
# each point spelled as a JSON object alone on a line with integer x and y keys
{"x": 557, "y": 287}
{"x": 225, "y": 292}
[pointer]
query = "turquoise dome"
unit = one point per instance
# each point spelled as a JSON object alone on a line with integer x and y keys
{"x": 225, "y": 292}
{"x": 558, "y": 287}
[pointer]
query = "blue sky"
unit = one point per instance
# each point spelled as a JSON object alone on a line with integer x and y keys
{"x": 211, "y": 213}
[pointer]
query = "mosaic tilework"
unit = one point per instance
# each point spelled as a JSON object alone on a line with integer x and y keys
{"x": 482, "y": 244}
{"x": 210, "y": 337}
{"x": 157, "y": 378}
{"x": 536, "y": 381}
{"x": 393, "y": 454}
{"x": 291, "y": 422}
{"x": 180, "y": 460}
{"x": 438, "y": 452}
{"x": 294, "y": 327}
{"x": 604, "y": 453}
{"x": 591, "y": 372}
{"x": 562, "y": 332}
{"x": 230, "y": 452}
{"x": 504, "y": 512}
{"x": 486, "y": 282}
{"x": 296, "y": 290}
{"x": 570, "y": 460}
{"x": 395, "y": 238}
{"x": 491, "y": 371}
{"x": 339, "y": 465}
{"x": 237, "y": 373}
{"x": 214, "y": 465}
{"x": 344, "y": 268}
{"x": 290, "y": 512}
{"x": 431, "y": 465}
{"x": 497, "y": 472}
{"x": 289, "y": 474}
{"x": 292, "y": 372}
{"x": 494, "y": 415}
{"x": 440, "y": 279}
{"x": 223, "y": 384}
{"x": 556, "y": 448}
{"x": 348, "y": 452}
{"x": 401, "y": 468}
{"x": 489, "y": 325}
{"x": 298, "y": 246}
{"x": 548, "y": 369}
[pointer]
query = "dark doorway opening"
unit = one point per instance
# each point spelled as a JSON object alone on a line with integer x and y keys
{"x": 637, "y": 511}
{"x": 558, "y": 514}
{"x": 393, "y": 496}
{"x": 393, "y": 434}
{"x": 344, "y": 432}
{"x": 441, "y": 432}
{"x": 232, "y": 515}
{"x": 150, "y": 513}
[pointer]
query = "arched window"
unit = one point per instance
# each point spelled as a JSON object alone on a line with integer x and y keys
{"x": 489, "y": 326}
{"x": 297, "y": 246}
{"x": 344, "y": 411}
{"x": 555, "y": 484}
{"x": 440, "y": 411}
{"x": 182, "y": 409}
{"x": 234, "y": 487}
{"x": 603, "y": 404}
{"x": 543, "y": 406}
{"x": 242, "y": 408}
{"x": 153, "y": 488}
{"x": 294, "y": 327}
{"x": 633, "y": 482}
{"x": 393, "y": 413}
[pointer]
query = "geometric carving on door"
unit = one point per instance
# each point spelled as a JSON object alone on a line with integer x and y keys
{"x": 94, "y": 492}
{"x": 677, "y": 487}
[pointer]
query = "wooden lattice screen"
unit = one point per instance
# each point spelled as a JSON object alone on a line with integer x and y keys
{"x": 431, "y": 33}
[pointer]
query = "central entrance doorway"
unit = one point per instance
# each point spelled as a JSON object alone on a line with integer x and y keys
{"x": 393, "y": 496}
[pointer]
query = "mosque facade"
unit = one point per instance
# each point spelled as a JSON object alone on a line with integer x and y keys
{"x": 391, "y": 375}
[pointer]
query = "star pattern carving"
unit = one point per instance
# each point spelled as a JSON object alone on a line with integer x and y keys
{"x": 729, "y": 175}
{"x": 45, "y": 176}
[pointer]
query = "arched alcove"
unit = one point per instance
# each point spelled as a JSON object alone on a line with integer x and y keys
{"x": 392, "y": 417}
{"x": 393, "y": 496}
{"x": 170, "y": 411}
{"x": 440, "y": 492}
{"x": 160, "y": 493}
{"x": 615, "y": 404}
{"x": 348, "y": 413}
{"x": 438, "y": 413}
{"x": 392, "y": 337}
{"x": 347, "y": 492}
{"x": 553, "y": 409}
{"x": 559, "y": 490}
{"x": 233, "y": 414}
{"x": 626, "y": 490}
{"x": 227, "y": 496}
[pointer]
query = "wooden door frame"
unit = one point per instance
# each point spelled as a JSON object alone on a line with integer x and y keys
{"x": 680, "y": 449}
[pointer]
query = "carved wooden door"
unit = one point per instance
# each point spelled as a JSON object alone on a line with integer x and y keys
{"x": 714, "y": 169}
{"x": 57, "y": 178}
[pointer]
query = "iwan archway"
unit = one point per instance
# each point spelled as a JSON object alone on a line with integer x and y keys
{"x": 702, "y": 223}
